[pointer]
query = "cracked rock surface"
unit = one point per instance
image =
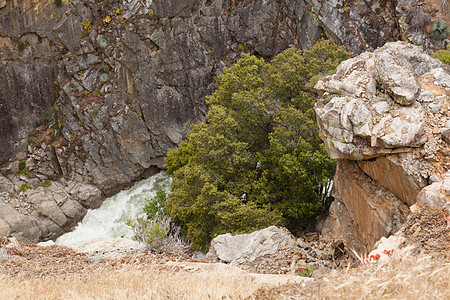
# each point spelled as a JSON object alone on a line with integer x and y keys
{"x": 382, "y": 116}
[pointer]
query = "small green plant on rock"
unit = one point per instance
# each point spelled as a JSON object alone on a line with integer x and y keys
{"x": 102, "y": 41}
{"x": 439, "y": 30}
{"x": 47, "y": 183}
{"x": 25, "y": 187}
{"x": 25, "y": 172}
{"x": 87, "y": 25}
{"x": 443, "y": 55}
{"x": 22, "y": 164}
{"x": 306, "y": 272}
{"x": 22, "y": 46}
{"x": 46, "y": 115}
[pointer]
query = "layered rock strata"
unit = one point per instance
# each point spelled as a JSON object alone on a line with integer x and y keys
{"x": 383, "y": 117}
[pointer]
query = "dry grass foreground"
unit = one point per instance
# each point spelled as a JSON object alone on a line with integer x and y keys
{"x": 407, "y": 276}
{"x": 56, "y": 272}
{"x": 47, "y": 273}
{"x": 128, "y": 283}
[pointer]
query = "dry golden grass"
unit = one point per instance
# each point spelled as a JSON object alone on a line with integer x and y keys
{"x": 405, "y": 276}
{"x": 152, "y": 282}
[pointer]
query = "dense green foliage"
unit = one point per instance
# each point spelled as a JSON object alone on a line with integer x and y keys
{"x": 443, "y": 55}
{"x": 155, "y": 205}
{"x": 258, "y": 159}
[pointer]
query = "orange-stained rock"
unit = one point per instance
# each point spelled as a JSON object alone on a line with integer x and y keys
{"x": 392, "y": 173}
{"x": 363, "y": 211}
{"x": 386, "y": 125}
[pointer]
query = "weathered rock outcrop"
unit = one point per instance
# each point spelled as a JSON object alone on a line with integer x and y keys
{"x": 382, "y": 116}
{"x": 274, "y": 250}
{"x": 97, "y": 92}
{"x": 113, "y": 86}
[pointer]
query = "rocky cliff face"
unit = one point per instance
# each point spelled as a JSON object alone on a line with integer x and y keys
{"x": 385, "y": 117}
{"x": 93, "y": 93}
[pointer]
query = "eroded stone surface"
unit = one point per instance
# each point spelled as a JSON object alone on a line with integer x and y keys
{"x": 386, "y": 111}
{"x": 363, "y": 211}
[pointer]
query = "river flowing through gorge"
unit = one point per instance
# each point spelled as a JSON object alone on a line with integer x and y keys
{"x": 109, "y": 219}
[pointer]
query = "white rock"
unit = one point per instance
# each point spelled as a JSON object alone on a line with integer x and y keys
{"x": 247, "y": 247}
{"x": 426, "y": 96}
{"x": 381, "y": 107}
{"x": 46, "y": 244}
{"x": 110, "y": 247}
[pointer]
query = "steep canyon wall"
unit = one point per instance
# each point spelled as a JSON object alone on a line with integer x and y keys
{"x": 94, "y": 93}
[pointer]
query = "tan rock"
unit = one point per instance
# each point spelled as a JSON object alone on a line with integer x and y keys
{"x": 363, "y": 211}
{"x": 436, "y": 195}
{"x": 395, "y": 130}
{"x": 395, "y": 177}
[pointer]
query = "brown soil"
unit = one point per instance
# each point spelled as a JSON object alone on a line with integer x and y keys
{"x": 32, "y": 261}
{"x": 428, "y": 231}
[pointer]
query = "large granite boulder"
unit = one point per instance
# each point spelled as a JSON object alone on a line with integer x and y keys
{"x": 274, "y": 250}
{"x": 382, "y": 116}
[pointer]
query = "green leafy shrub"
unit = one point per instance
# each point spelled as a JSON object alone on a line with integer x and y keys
{"x": 443, "y": 55}
{"x": 158, "y": 233}
{"x": 58, "y": 2}
{"x": 258, "y": 159}
{"x": 439, "y": 30}
{"x": 155, "y": 205}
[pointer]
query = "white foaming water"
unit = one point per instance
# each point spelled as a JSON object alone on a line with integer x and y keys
{"x": 109, "y": 219}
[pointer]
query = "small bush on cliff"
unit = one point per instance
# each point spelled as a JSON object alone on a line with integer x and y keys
{"x": 155, "y": 205}
{"x": 443, "y": 55}
{"x": 159, "y": 234}
{"x": 258, "y": 159}
{"x": 440, "y": 30}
